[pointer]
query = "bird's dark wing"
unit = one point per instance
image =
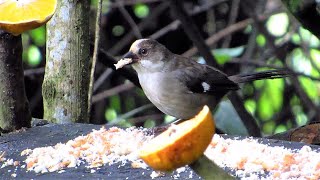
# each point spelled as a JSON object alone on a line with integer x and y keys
{"x": 208, "y": 80}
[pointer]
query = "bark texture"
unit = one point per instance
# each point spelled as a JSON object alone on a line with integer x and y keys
{"x": 14, "y": 106}
{"x": 66, "y": 82}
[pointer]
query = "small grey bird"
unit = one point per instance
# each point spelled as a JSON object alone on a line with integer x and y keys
{"x": 179, "y": 86}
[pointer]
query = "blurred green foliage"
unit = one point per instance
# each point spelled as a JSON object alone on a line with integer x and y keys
{"x": 261, "y": 40}
{"x": 141, "y": 10}
{"x": 278, "y": 24}
{"x": 226, "y": 54}
{"x": 32, "y": 42}
{"x": 305, "y": 58}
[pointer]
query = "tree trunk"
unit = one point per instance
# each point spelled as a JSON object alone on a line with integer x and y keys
{"x": 14, "y": 108}
{"x": 66, "y": 82}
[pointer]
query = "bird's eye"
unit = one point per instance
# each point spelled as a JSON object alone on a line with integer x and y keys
{"x": 143, "y": 51}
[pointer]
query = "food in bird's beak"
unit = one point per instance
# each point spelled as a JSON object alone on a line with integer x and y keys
{"x": 123, "y": 62}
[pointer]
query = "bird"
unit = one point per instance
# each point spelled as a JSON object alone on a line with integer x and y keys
{"x": 179, "y": 86}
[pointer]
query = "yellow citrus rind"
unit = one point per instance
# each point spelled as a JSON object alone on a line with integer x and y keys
{"x": 19, "y": 16}
{"x": 180, "y": 144}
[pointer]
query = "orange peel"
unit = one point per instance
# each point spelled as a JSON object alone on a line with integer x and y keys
{"x": 20, "y": 16}
{"x": 180, "y": 144}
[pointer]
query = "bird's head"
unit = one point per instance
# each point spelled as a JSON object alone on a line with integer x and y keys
{"x": 147, "y": 55}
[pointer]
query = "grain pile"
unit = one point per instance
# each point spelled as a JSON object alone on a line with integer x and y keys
{"x": 247, "y": 157}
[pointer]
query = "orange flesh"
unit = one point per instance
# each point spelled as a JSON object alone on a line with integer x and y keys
{"x": 19, "y": 16}
{"x": 181, "y": 144}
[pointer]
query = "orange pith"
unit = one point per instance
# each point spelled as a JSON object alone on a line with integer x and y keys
{"x": 19, "y": 16}
{"x": 181, "y": 144}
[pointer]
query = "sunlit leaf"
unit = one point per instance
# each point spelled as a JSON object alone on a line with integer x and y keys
{"x": 275, "y": 89}
{"x": 315, "y": 56}
{"x": 271, "y": 98}
{"x": 115, "y": 103}
{"x": 250, "y": 105}
{"x": 141, "y": 10}
{"x": 268, "y": 127}
{"x": 38, "y": 36}
{"x": 278, "y": 24}
{"x": 110, "y": 114}
{"x": 295, "y": 38}
{"x": 261, "y": 40}
{"x": 300, "y": 62}
{"x": 301, "y": 119}
{"x": 168, "y": 119}
{"x": 310, "y": 88}
{"x": 280, "y": 128}
{"x": 265, "y": 109}
{"x": 34, "y": 56}
{"x": 118, "y": 30}
{"x": 258, "y": 84}
{"x": 124, "y": 123}
{"x": 307, "y": 36}
{"x": 224, "y": 55}
{"x": 149, "y": 123}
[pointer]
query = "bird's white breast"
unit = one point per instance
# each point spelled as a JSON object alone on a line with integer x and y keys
{"x": 162, "y": 90}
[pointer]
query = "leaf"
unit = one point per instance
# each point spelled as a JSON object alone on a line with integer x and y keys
{"x": 228, "y": 120}
{"x": 295, "y": 38}
{"x": 310, "y": 88}
{"x": 278, "y": 24}
{"x": 38, "y": 36}
{"x": 168, "y": 119}
{"x": 315, "y": 56}
{"x": 268, "y": 127}
{"x": 226, "y": 54}
{"x": 300, "y": 62}
{"x": 110, "y": 114}
{"x": 118, "y": 30}
{"x": 280, "y": 128}
{"x": 265, "y": 110}
{"x": 271, "y": 98}
{"x": 115, "y": 103}
{"x": 149, "y": 123}
{"x": 34, "y": 56}
{"x": 250, "y": 105}
{"x": 261, "y": 40}
{"x": 141, "y": 10}
{"x": 308, "y": 37}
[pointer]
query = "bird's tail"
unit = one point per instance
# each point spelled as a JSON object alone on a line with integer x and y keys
{"x": 272, "y": 74}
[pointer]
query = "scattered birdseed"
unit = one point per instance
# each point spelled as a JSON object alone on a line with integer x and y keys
{"x": 249, "y": 158}
{"x": 98, "y": 148}
{"x": 156, "y": 174}
{"x": 8, "y": 162}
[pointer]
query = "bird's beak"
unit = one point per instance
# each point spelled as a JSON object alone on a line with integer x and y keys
{"x": 132, "y": 56}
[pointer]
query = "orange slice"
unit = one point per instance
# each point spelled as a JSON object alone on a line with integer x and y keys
{"x": 19, "y": 16}
{"x": 180, "y": 144}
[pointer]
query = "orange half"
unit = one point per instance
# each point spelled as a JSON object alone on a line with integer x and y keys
{"x": 180, "y": 144}
{"x": 18, "y": 16}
